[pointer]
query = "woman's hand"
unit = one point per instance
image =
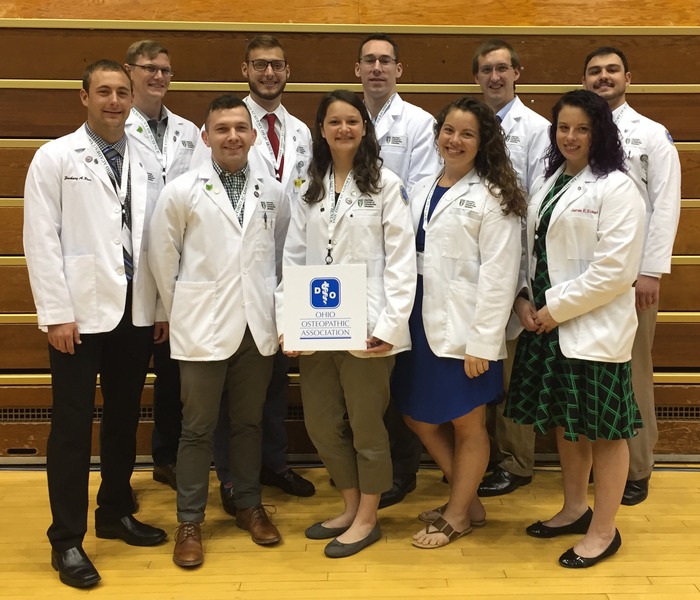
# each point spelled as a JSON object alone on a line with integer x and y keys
{"x": 526, "y": 313}
{"x": 377, "y": 346}
{"x": 474, "y": 366}
{"x": 291, "y": 353}
{"x": 545, "y": 322}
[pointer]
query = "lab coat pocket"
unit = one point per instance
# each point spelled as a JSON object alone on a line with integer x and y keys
{"x": 81, "y": 279}
{"x": 192, "y": 321}
{"x": 366, "y": 236}
{"x": 581, "y": 237}
{"x": 459, "y": 306}
{"x": 460, "y": 236}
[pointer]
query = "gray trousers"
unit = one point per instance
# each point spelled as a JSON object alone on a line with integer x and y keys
{"x": 642, "y": 445}
{"x": 245, "y": 375}
{"x": 355, "y": 452}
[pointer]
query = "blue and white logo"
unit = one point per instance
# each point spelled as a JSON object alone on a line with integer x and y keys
{"x": 325, "y": 292}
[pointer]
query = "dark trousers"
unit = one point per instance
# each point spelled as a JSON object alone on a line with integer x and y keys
{"x": 167, "y": 407}
{"x": 121, "y": 358}
{"x": 405, "y": 446}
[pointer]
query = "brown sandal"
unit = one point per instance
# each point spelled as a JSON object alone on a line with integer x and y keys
{"x": 429, "y": 516}
{"x": 441, "y": 526}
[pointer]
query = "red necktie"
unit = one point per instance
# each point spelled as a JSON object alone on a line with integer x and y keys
{"x": 274, "y": 142}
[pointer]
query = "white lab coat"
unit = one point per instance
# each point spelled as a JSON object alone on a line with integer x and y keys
{"x": 655, "y": 168}
{"x": 594, "y": 242}
{"x": 470, "y": 268}
{"x": 527, "y": 139}
{"x": 406, "y": 137}
{"x": 72, "y": 229}
{"x": 214, "y": 276}
{"x": 297, "y": 150}
{"x": 179, "y": 142}
{"x": 371, "y": 229}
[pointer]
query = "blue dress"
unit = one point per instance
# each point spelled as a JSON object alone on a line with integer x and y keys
{"x": 432, "y": 389}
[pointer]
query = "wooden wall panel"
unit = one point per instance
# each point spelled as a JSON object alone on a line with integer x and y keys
{"x": 690, "y": 167}
{"x": 680, "y": 291}
{"x": 498, "y": 13}
{"x": 14, "y": 163}
{"x": 688, "y": 236}
{"x": 15, "y": 293}
{"x": 12, "y": 220}
{"x": 330, "y": 57}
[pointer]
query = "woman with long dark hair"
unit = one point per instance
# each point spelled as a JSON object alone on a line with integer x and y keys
{"x": 467, "y": 221}
{"x": 354, "y": 211}
{"x": 585, "y": 228}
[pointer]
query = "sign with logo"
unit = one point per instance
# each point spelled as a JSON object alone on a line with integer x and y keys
{"x": 325, "y": 307}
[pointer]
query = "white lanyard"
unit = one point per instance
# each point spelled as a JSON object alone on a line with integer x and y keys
{"x": 240, "y": 203}
{"x": 383, "y": 110}
{"x": 332, "y": 206}
{"x": 545, "y": 207}
{"x": 426, "y": 207}
{"x": 618, "y": 116}
{"x": 258, "y": 125}
{"x": 124, "y": 184}
{"x": 146, "y": 130}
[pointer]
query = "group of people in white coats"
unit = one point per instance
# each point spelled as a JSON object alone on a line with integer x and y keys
{"x": 446, "y": 269}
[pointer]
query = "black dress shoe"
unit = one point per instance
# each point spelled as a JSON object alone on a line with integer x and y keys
{"x": 580, "y": 525}
{"x": 402, "y": 485}
{"x": 131, "y": 531}
{"x": 228, "y": 499}
{"x": 288, "y": 481}
{"x": 635, "y": 492}
{"x": 165, "y": 474}
{"x": 571, "y": 560}
{"x": 74, "y": 567}
{"x": 501, "y": 482}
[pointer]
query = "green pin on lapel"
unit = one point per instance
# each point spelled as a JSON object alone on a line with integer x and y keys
{"x": 209, "y": 187}
{"x": 139, "y": 129}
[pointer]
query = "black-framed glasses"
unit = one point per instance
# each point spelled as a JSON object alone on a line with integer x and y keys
{"x": 369, "y": 59}
{"x": 153, "y": 69}
{"x": 261, "y": 65}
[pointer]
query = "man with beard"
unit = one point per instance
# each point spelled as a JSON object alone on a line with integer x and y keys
{"x": 653, "y": 165}
{"x": 283, "y": 148}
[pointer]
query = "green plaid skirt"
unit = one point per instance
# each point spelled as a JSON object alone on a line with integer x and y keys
{"x": 547, "y": 389}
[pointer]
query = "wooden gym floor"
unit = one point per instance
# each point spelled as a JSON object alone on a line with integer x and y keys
{"x": 659, "y": 559}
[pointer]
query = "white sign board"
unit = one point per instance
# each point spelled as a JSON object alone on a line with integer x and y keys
{"x": 325, "y": 307}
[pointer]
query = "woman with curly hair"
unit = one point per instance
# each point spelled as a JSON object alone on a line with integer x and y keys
{"x": 467, "y": 223}
{"x": 353, "y": 211}
{"x": 585, "y": 228}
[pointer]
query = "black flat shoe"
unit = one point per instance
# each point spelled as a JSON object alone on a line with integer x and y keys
{"x": 580, "y": 525}
{"x": 318, "y": 531}
{"x": 74, "y": 567}
{"x": 131, "y": 531}
{"x": 571, "y": 560}
{"x": 336, "y": 549}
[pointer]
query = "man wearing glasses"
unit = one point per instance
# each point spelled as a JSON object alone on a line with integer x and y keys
{"x": 283, "y": 149}
{"x": 406, "y": 137}
{"x": 167, "y": 141}
{"x": 496, "y": 67}
{"x": 404, "y": 131}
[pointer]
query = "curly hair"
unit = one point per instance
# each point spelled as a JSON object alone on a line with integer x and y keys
{"x": 366, "y": 165}
{"x": 606, "y": 153}
{"x": 492, "y": 162}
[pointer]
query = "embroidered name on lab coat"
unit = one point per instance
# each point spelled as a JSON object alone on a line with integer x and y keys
{"x": 395, "y": 140}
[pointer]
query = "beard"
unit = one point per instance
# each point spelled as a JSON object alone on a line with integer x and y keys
{"x": 264, "y": 92}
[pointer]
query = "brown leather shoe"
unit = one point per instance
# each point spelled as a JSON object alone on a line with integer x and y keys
{"x": 188, "y": 550}
{"x": 256, "y": 521}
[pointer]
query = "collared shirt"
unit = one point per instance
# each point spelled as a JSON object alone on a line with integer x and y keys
{"x": 260, "y": 113}
{"x": 158, "y": 126}
{"x": 501, "y": 114}
{"x": 234, "y": 184}
{"x": 120, "y": 147}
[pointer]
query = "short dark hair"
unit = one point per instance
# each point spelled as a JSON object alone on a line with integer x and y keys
{"x": 263, "y": 41}
{"x": 103, "y": 64}
{"x": 366, "y": 165}
{"x": 604, "y": 51}
{"x": 382, "y": 37}
{"x": 606, "y": 153}
{"x": 489, "y": 46}
{"x": 491, "y": 162}
{"x": 224, "y": 102}
{"x": 147, "y": 48}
